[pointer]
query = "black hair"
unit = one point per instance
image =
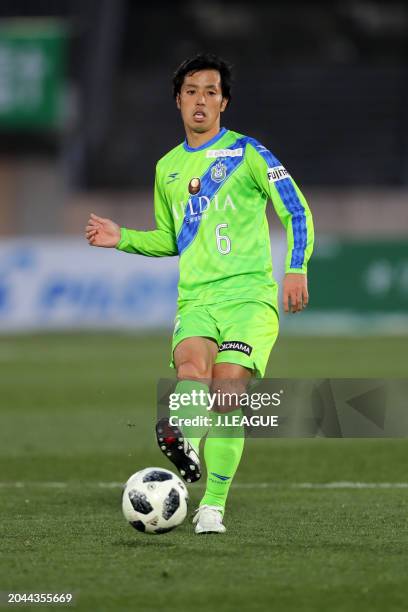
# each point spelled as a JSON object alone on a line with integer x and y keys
{"x": 204, "y": 61}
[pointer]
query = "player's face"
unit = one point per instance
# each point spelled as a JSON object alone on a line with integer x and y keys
{"x": 200, "y": 101}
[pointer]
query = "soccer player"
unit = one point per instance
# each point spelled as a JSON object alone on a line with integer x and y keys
{"x": 210, "y": 198}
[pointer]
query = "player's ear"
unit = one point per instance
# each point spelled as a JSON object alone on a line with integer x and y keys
{"x": 224, "y": 104}
{"x": 178, "y": 101}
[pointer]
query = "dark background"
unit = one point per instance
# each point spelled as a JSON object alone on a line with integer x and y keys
{"x": 325, "y": 87}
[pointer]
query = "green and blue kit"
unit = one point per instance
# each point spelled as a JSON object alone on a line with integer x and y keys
{"x": 210, "y": 207}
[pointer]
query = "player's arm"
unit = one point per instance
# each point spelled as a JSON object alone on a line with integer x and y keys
{"x": 160, "y": 242}
{"x": 294, "y": 213}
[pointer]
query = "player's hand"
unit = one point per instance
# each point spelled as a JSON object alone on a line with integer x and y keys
{"x": 295, "y": 294}
{"x": 102, "y": 232}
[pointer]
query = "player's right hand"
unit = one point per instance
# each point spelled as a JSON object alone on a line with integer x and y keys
{"x": 102, "y": 232}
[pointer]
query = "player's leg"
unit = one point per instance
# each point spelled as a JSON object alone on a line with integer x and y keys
{"x": 193, "y": 359}
{"x": 248, "y": 331}
{"x": 223, "y": 446}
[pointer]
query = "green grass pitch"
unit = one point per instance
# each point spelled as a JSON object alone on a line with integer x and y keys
{"x": 77, "y": 414}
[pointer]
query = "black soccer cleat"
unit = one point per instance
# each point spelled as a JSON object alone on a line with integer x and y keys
{"x": 178, "y": 450}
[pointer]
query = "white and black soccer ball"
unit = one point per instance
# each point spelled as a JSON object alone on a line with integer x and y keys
{"x": 155, "y": 500}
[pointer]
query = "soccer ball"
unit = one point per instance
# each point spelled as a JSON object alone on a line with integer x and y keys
{"x": 155, "y": 500}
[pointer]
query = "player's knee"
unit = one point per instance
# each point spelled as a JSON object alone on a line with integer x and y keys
{"x": 194, "y": 370}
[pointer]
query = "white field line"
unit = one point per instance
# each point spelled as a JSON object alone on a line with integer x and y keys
{"x": 238, "y": 485}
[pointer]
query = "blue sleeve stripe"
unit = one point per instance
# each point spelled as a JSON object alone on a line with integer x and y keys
{"x": 292, "y": 203}
{"x": 295, "y": 207}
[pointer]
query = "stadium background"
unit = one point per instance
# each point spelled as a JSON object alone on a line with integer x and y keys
{"x": 85, "y": 112}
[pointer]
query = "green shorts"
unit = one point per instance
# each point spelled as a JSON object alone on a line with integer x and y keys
{"x": 244, "y": 331}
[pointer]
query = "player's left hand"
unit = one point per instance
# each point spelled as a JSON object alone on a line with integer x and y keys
{"x": 295, "y": 294}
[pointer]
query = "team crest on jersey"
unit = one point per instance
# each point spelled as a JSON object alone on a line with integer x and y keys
{"x": 194, "y": 186}
{"x": 218, "y": 172}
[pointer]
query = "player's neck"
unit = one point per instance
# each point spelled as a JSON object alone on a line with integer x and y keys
{"x": 196, "y": 139}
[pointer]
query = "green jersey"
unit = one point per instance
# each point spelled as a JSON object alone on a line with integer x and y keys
{"x": 210, "y": 211}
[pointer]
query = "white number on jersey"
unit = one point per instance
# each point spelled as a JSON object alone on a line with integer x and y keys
{"x": 223, "y": 242}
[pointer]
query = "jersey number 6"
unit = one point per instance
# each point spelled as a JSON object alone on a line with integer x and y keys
{"x": 223, "y": 242}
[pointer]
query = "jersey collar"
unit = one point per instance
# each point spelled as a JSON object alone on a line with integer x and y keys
{"x": 206, "y": 144}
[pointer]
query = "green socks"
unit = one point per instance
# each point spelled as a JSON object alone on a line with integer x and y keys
{"x": 196, "y": 407}
{"x": 224, "y": 444}
{"x": 222, "y": 456}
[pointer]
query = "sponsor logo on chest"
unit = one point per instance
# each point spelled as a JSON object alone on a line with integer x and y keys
{"x": 197, "y": 207}
{"x": 225, "y": 152}
{"x": 194, "y": 186}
